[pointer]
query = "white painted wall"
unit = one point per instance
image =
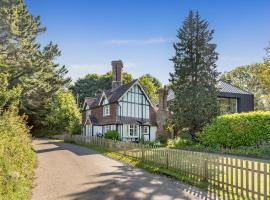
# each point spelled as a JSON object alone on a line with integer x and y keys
{"x": 97, "y": 130}
{"x": 132, "y": 104}
{"x": 153, "y": 133}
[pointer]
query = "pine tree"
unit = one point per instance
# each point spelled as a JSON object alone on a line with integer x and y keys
{"x": 28, "y": 64}
{"x": 195, "y": 76}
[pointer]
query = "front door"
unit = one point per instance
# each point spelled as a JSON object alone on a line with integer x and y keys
{"x": 145, "y": 133}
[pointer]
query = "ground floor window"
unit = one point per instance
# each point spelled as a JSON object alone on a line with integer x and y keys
{"x": 228, "y": 105}
{"x": 144, "y": 130}
{"x": 133, "y": 130}
{"x": 106, "y": 128}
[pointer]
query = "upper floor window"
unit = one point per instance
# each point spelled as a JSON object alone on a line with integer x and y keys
{"x": 106, "y": 110}
{"x": 88, "y": 113}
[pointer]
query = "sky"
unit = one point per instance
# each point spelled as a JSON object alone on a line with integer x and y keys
{"x": 92, "y": 33}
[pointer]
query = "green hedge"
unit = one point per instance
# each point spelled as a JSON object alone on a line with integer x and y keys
{"x": 235, "y": 130}
{"x": 113, "y": 135}
{"x": 17, "y": 158}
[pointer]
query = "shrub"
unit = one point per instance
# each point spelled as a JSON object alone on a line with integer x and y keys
{"x": 112, "y": 135}
{"x": 16, "y": 157}
{"x": 179, "y": 142}
{"x": 235, "y": 130}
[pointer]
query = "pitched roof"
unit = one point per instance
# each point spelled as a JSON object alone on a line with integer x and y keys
{"x": 112, "y": 95}
{"x": 223, "y": 87}
{"x": 229, "y": 88}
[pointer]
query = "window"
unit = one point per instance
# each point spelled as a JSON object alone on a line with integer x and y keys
{"x": 107, "y": 128}
{"x": 228, "y": 105}
{"x": 88, "y": 113}
{"x": 132, "y": 130}
{"x": 144, "y": 130}
{"x": 106, "y": 110}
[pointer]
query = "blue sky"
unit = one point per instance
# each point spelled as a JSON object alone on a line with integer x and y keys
{"x": 92, "y": 33}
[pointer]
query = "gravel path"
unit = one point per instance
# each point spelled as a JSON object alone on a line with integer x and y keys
{"x": 66, "y": 171}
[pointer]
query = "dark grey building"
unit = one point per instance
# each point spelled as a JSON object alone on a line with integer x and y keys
{"x": 232, "y": 99}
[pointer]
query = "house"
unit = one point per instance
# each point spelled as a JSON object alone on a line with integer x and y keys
{"x": 231, "y": 98}
{"x": 125, "y": 108}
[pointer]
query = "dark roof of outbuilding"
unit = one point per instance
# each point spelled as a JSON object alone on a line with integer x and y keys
{"x": 112, "y": 95}
{"x": 229, "y": 88}
{"x": 223, "y": 87}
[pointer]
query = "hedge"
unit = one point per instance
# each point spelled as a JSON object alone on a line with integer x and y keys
{"x": 17, "y": 158}
{"x": 235, "y": 130}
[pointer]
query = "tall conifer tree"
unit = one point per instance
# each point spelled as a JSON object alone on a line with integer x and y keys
{"x": 194, "y": 79}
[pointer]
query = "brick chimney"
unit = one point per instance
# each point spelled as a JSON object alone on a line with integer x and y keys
{"x": 162, "y": 112}
{"x": 162, "y": 104}
{"x": 117, "y": 67}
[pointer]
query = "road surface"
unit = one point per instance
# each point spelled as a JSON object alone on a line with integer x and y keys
{"x": 67, "y": 171}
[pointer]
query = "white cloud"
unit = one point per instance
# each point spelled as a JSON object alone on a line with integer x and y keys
{"x": 155, "y": 40}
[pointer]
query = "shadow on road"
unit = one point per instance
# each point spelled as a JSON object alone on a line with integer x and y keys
{"x": 61, "y": 146}
{"x": 126, "y": 182}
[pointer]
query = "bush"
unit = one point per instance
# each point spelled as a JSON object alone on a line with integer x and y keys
{"x": 16, "y": 157}
{"x": 112, "y": 135}
{"x": 235, "y": 130}
{"x": 179, "y": 142}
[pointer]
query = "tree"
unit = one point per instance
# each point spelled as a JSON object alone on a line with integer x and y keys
{"x": 29, "y": 65}
{"x": 255, "y": 79}
{"x": 63, "y": 115}
{"x": 267, "y": 49}
{"x": 151, "y": 85}
{"x": 195, "y": 76}
{"x": 91, "y": 84}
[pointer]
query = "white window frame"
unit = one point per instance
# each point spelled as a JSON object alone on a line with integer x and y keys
{"x": 106, "y": 110}
{"x": 144, "y": 130}
{"x": 133, "y": 131}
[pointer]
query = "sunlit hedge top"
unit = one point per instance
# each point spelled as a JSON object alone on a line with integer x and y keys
{"x": 240, "y": 129}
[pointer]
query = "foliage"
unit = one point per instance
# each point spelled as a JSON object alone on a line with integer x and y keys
{"x": 179, "y": 142}
{"x": 236, "y": 130}
{"x": 195, "y": 76}
{"x": 30, "y": 66}
{"x": 16, "y": 157}
{"x": 255, "y": 79}
{"x": 9, "y": 98}
{"x": 91, "y": 84}
{"x": 63, "y": 115}
{"x": 112, "y": 135}
{"x": 151, "y": 86}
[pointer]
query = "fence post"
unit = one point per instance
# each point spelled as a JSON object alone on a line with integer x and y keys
{"x": 142, "y": 147}
{"x": 205, "y": 170}
{"x": 167, "y": 158}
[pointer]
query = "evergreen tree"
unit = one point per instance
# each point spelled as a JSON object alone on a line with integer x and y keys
{"x": 29, "y": 65}
{"x": 195, "y": 76}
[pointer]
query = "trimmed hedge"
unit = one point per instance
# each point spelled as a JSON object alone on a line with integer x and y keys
{"x": 17, "y": 158}
{"x": 235, "y": 130}
{"x": 112, "y": 135}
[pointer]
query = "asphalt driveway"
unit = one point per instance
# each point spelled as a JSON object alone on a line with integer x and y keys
{"x": 66, "y": 171}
